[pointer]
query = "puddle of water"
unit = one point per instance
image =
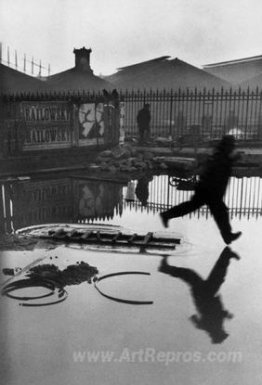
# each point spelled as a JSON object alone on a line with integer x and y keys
{"x": 50, "y": 338}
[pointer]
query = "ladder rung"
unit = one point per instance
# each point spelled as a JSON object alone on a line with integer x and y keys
{"x": 115, "y": 238}
{"x": 147, "y": 238}
{"x": 87, "y": 235}
{"x": 132, "y": 238}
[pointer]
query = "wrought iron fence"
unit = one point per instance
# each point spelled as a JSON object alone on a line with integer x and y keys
{"x": 191, "y": 115}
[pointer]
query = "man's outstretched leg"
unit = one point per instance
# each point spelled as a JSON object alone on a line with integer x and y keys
{"x": 182, "y": 209}
{"x": 220, "y": 213}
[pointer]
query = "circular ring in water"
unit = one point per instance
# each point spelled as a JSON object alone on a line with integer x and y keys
{"x": 26, "y": 283}
{"x": 131, "y": 302}
{"x": 63, "y": 296}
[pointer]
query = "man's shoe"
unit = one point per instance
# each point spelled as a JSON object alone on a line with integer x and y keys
{"x": 164, "y": 220}
{"x": 232, "y": 237}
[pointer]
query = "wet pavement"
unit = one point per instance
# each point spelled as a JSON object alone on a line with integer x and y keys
{"x": 192, "y": 333}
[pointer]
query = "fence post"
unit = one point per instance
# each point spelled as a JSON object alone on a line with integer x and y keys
{"x": 170, "y": 116}
{"x": 247, "y": 110}
{"x": 260, "y": 116}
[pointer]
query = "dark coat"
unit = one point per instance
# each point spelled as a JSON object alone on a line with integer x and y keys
{"x": 143, "y": 118}
{"x": 217, "y": 171}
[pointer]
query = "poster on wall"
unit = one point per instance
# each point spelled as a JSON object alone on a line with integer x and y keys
{"x": 91, "y": 123}
{"x": 47, "y": 125}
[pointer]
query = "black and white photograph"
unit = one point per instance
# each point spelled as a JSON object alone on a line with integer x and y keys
{"x": 130, "y": 192}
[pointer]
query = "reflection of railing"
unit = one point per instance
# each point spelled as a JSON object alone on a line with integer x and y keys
{"x": 28, "y": 202}
{"x": 117, "y": 210}
{"x": 64, "y": 200}
{"x": 243, "y": 197}
{"x": 244, "y": 212}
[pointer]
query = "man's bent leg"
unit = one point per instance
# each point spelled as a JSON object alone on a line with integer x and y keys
{"x": 220, "y": 212}
{"x": 182, "y": 209}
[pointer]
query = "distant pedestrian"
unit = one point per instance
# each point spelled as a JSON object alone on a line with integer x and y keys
{"x": 210, "y": 190}
{"x": 143, "y": 122}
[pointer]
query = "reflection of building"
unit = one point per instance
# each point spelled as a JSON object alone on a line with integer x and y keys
{"x": 5, "y": 215}
{"x": 97, "y": 200}
{"x": 27, "y": 203}
{"x": 36, "y": 202}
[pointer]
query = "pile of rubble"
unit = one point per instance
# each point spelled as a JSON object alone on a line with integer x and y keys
{"x": 128, "y": 159}
{"x": 72, "y": 275}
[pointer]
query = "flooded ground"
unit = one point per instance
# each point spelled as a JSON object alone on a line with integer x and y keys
{"x": 196, "y": 331}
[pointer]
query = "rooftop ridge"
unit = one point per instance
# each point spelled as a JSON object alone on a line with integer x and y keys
{"x": 161, "y": 58}
{"x": 231, "y": 62}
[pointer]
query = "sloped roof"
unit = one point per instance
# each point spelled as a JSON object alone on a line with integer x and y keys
{"x": 13, "y": 81}
{"x": 252, "y": 83}
{"x": 144, "y": 64}
{"x": 164, "y": 73}
{"x": 234, "y": 61}
{"x": 75, "y": 80}
{"x": 236, "y": 71}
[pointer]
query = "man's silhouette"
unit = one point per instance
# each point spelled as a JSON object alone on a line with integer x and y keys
{"x": 210, "y": 190}
{"x": 211, "y": 313}
{"x": 142, "y": 189}
{"x": 143, "y": 122}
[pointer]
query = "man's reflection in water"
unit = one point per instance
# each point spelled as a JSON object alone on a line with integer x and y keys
{"x": 142, "y": 189}
{"x": 211, "y": 313}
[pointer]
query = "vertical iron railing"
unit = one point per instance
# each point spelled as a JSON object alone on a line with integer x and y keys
{"x": 187, "y": 114}
{"x": 207, "y": 114}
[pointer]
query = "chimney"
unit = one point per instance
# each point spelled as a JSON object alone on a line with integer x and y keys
{"x": 82, "y": 59}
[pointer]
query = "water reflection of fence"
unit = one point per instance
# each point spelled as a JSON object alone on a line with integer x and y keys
{"x": 243, "y": 197}
{"x": 32, "y": 202}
